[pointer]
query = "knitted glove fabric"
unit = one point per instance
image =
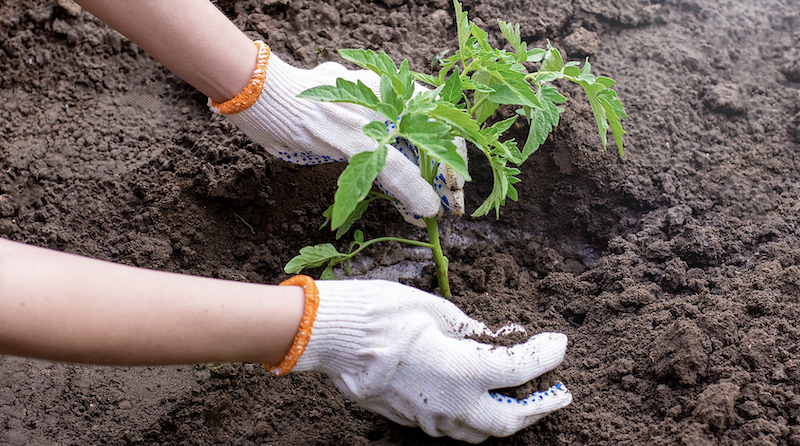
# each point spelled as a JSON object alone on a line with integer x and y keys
{"x": 308, "y": 132}
{"x": 403, "y": 353}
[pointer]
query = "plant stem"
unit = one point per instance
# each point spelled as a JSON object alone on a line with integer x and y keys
{"x": 391, "y": 239}
{"x": 439, "y": 259}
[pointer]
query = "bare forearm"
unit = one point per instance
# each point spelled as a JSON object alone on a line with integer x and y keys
{"x": 68, "y": 308}
{"x": 192, "y": 38}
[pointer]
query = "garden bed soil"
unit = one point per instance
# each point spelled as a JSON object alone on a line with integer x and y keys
{"x": 675, "y": 270}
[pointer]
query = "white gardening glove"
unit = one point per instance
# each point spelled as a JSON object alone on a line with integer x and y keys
{"x": 308, "y": 132}
{"x": 448, "y": 183}
{"x": 403, "y": 353}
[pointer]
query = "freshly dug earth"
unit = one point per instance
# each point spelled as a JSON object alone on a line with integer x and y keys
{"x": 675, "y": 270}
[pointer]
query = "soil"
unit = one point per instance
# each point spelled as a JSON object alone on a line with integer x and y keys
{"x": 674, "y": 270}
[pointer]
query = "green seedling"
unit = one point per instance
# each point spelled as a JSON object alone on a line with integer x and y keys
{"x": 471, "y": 86}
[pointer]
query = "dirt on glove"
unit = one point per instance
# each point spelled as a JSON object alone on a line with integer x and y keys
{"x": 674, "y": 271}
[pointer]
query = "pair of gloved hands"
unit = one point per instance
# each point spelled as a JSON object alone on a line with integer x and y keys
{"x": 393, "y": 349}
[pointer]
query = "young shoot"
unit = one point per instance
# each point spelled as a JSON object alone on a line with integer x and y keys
{"x": 472, "y": 84}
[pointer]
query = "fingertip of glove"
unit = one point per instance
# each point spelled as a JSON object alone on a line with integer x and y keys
{"x": 555, "y": 341}
{"x": 548, "y": 349}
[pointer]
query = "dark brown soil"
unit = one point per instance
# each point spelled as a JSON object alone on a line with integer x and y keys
{"x": 674, "y": 271}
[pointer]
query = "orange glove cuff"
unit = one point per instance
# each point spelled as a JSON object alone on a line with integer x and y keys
{"x": 304, "y": 332}
{"x": 252, "y": 91}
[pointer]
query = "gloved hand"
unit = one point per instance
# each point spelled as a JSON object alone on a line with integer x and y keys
{"x": 307, "y": 132}
{"x": 403, "y": 353}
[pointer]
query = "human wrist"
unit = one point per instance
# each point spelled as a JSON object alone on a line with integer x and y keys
{"x": 301, "y": 338}
{"x": 249, "y": 94}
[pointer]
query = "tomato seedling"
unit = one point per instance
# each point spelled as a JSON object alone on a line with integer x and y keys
{"x": 470, "y": 87}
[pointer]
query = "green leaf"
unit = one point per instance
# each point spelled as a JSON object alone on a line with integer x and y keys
{"x": 509, "y": 150}
{"x": 543, "y": 119}
{"x": 391, "y": 105}
{"x": 607, "y": 109}
{"x": 604, "y": 81}
{"x": 512, "y": 34}
{"x": 471, "y": 84}
{"x": 377, "y": 131}
{"x": 483, "y": 108}
{"x": 552, "y": 60}
{"x": 312, "y": 257}
{"x": 403, "y": 83}
{"x": 500, "y": 127}
{"x": 462, "y": 25}
{"x": 481, "y": 37}
{"x": 352, "y": 218}
{"x": 513, "y": 92}
{"x": 355, "y": 182}
{"x": 433, "y": 138}
{"x": 379, "y": 63}
{"x": 460, "y": 120}
{"x": 427, "y": 78}
{"x": 613, "y": 110}
{"x": 572, "y": 71}
{"x": 535, "y": 55}
{"x": 328, "y": 274}
{"x": 452, "y": 91}
{"x": 503, "y": 176}
{"x": 344, "y": 91}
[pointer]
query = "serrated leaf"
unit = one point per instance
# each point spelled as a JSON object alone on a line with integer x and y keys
{"x": 460, "y": 120}
{"x": 484, "y": 108}
{"x": 512, "y": 34}
{"x": 471, "y": 84}
{"x": 542, "y": 120}
{"x": 500, "y": 127}
{"x": 433, "y": 137}
{"x": 452, "y": 91}
{"x": 344, "y": 91}
{"x": 535, "y": 55}
{"x": 420, "y": 104}
{"x": 379, "y": 63}
{"x": 312, "y": 257}
{"x": 500, "y": 189}
{"x": 513, "y": 92}
{"x": 606, "y": 82}
{"x": 355, "y": 182}
{"x": 613, "y": 115}
{"x": 361, "y": 207}
{"x": 462, "y": 25}
{"x": 481, "y": 37}
{"x": 572, "y": 71}
{"x": 377, "y": 131}
{"x": 327, "y": 274}
{"x": 552, "y": 60}
{"x": 607, "y": 109}
{"x": 426, "y": 78}
{"x": 509, "y": 150}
